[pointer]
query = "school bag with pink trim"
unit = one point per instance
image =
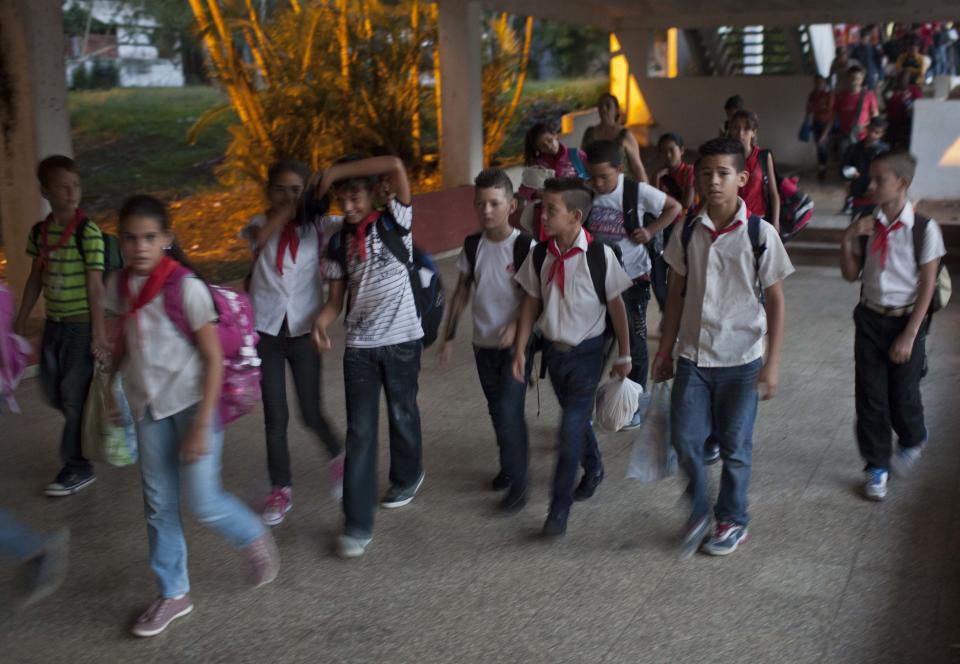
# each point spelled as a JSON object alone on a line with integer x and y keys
{"x": 238, "y": 338}
{"x": 14, "y": 351}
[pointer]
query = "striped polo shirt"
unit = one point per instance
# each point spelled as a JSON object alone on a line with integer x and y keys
{"x": 65, "y": 278}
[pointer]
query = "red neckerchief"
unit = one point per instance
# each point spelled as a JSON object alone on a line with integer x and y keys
{"x": 360, "y": 245}
{"x": 556, "y": 270}
{"x": 44, "y": 251}
{"x": 288, "y": 238}
{"x": 155, "y": 283}
{"x": 881, "y": 240}
{"x": 723, "y": 231}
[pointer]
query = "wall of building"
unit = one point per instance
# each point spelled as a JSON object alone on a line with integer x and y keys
{"x": 936, "y": 144}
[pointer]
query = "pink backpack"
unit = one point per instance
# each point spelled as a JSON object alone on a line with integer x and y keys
{"x": 238, "y": 338}
{"x": 14, "y": 351}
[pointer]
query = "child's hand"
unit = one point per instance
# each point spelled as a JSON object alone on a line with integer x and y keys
{"x": 520, "y": 367}
{"x": 662, "y": 368}
{"x": 508, "y": 334}
{"x": 641, "y": 236}
{"x": 194, "y": 444}
{"x": 621, "y": 370}
{"x": 770, "y": 378}
{"x": 862, "y": 225}
{"x": 902, "y": 348}
{"x": 320, "y": 338}
{"x": 446, "y": 352}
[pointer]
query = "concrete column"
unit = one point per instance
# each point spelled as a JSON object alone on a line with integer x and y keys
{"x": 461, "y": 139}
{"x": 34, "y": 118}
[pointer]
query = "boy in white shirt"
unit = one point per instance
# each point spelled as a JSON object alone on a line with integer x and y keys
{"x": 490, "y": 260}
{"x": 896, "y": 253}
{"x": 571, "y": 283}
{"x": 724, "y": 296}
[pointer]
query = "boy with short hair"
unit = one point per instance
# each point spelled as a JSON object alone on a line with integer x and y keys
{"x": 572, "y": 282}
{"x": 895, "y": 252}
{"x": 725, "y": 296}
{"x": 856, "y": 164}
{"x": 68, "y": 262}
{"x": 383, "y": 340}
{"x": 490, "y": 260}
{"x": 618, "y": 218}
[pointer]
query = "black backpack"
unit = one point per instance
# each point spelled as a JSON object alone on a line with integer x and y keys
{"x": 753, "y": 231}
{"x": 112, "y": 256}
{"x": 521, "y": 247}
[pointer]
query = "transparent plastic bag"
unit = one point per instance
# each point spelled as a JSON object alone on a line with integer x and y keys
{"x": 105, "y": 441}
{"x": 652, "y": 457}
{"x": 617, "y": 401}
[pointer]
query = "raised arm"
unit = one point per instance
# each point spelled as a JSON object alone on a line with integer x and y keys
{"x": 390, "y": 167}
{"x": 850, "y": 263}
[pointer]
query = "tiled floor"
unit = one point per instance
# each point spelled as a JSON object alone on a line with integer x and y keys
{"x": 827, "y": 576}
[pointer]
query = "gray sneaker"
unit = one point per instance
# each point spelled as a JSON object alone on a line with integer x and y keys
{"x": 398, "y": 497}
{"x": 160, "y": 614}
{"x": 905, "y": 458}
{"x": 48, "y": 570}
{"x": 349, "y": 546}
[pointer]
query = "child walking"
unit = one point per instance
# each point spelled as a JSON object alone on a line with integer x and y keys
{"x": 173, "y": 385}
{"x": 762, "y": 198}
{"x": 725, "y": 296}
{"x": 571, "y": 283}
{"x": 383, "y": 341}
{"x": 895, "y": 253}
{"x": 67, "y": 253}
{"x": 856, "y": 165}
{"x": 675, "y": 179}
{"x": 285, "y": 289}
{"x": 490, "y": 260}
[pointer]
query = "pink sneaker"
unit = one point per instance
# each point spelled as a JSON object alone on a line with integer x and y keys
{"x": 335, "y": 470}
{"x": 160, "y": 614}
{"x": 264, "y": 560}
{"x": 279, "y": 502}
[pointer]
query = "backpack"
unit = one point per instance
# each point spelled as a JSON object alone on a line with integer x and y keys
{"x": 753, "y": 231}
{"x": 429, "y": 298}
{"x": 112, "y": 256}
{"x": 240, "y": 391}
{"x": 521, "y": 247}
{"x": 796, "y": 208}
{"x": 14, "y": 351}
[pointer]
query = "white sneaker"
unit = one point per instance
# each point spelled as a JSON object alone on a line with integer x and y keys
{"x": 903, "y": 461}
{"x": 352, "y": 547}
{"x": 875, "y": 486}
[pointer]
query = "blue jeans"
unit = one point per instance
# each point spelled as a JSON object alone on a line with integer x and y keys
{"x": 635, "y": 299}
{"x": 163, "y": 474}
{"x": 723, "y": 401}
{"x": 396, "y": 368}
{"x": 16, "y": 540}
{"x": 66, "y": 371}
{"x": 505, "y": 402}
{"x": 575, "y": 375}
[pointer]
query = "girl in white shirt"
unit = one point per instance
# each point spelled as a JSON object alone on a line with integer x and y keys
{"x": 173, "y": 386}
{"x": 285, "y": 289}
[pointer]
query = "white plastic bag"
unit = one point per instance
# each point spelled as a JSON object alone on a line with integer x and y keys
{"x": 102, "y": 439}
{"x": 617, "y": 401}
{"x": 652, "y": 457}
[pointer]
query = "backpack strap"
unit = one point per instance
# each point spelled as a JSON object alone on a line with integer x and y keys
{"x": 753, "y": 231}
{"x": 920, "y": 223}
{"x": 631, "y": 198}
{"x": 521, "y": 248}
{"x": 539, "y": 256}
{"x": 597, "y": 263}
{"x": 471, "y": 245}
{"x": 686, "y": 234}
{"x": 391, "y": 234}
{"x": 764, "y": 157}
{"x": 173, "y": 300}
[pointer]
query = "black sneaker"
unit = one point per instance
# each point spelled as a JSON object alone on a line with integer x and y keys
{"x": 69, "y": 482}
{"x": 555, "y": 527}
{"x": 398, "y": 496}
{"x": 588, "y": 486}
{"x": 500, "y": 482}
{"x": 711, "y": 453}
{"x": 515, "y": 500}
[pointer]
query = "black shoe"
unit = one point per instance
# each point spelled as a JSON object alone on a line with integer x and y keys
{"x": 515, "y": 500}
{"x": 588, "y": 486}
{"x": 555, "y": 527}
{"x": 500, "y": 482}
{"x": 69, "y": 482}
{"x": 711, "y": 453}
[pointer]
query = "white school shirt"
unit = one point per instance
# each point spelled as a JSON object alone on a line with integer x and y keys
{"x": 577, "y": 315}
{"x": 606, "y": 224}
{"x": 162, "y": 369}
{"x": 497, "y": 297}
{"x": 723, "y": 322}
{"x": 382, "y": 311}
{"x": 897, "y": 285}
{"x": 295, "y": 294}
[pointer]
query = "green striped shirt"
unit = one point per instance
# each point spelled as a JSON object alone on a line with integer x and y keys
{"x": 65, "y": 277}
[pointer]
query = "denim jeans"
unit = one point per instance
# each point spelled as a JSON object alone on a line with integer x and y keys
{"x": 163, "y": 473}
{"x": 275, "y": 352}
{"x": 575, "y": 375}
{"x": 396, "y": 369}
{"x": 887, "y": 394}
{"x": 16, "y": 540}
{"x": 66, "y": 371}
{"x": 721, "y": 400}
{"x": 636, "y": 299}
{"x": 505, "y": 402}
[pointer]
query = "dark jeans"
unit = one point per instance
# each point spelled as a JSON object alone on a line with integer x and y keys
{"x": 636, "y": 299}
{"x": 275, "y": 352}
{"x": 396, "y": 368}
{"x": 658, "y": 276}
{"x": 819, "y": 128}
{"x": 66, "y": 371}
{"x": 505, "y": 402}
{"x": 575, "y": 375}
{"x": 887, "y": 394}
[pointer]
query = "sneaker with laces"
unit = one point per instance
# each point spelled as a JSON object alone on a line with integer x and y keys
{"x": 161, "y": 612}
{"x": 278, "y": 503}
{"x": 264, "y": 560}
{"x": 335, "y": 476}
{"x": 726, "y": 538}
{"x": 875, "y": 484}
{"x": 69, "y": 482}
{"x": 349, "y": 546}
{"x": 398, "y": 496}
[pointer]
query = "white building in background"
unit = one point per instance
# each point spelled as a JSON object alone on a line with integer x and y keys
{"x": 127, "y": 46}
